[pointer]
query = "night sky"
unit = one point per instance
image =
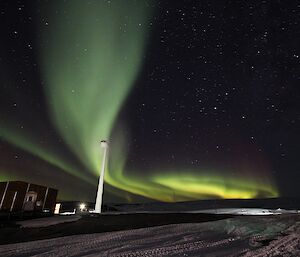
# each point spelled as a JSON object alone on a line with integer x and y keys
{"x": 198, "y": 99}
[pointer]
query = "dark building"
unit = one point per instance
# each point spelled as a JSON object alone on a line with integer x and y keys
{"x": 19, "y": 196}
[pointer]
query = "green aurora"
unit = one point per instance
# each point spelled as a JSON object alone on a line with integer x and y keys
{"x": 171, "y": 185}
{"x": 90, "y": 60}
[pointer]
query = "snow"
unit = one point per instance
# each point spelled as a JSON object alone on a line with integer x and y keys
{"x": 250, "y": 236}
{"x": 247, "y": 211}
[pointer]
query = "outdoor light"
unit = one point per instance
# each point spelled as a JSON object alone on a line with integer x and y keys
{"x": 57, "y": 208}
{"x": 82, "y": 206}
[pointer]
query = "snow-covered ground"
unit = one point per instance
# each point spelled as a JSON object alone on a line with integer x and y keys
{"x": 247, "y": 211}
{"x": 231, "y": 211}
{"x": 250, "y": 236}
{"x": 44, "y": 222}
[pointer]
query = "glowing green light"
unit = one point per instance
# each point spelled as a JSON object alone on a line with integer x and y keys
{"x": 90, "y": 55}
{"x": 171, "y": 187}
{"x": 184, "y": 185}
{"x": 24, "y": 140}
{"x": 91, "y": 58}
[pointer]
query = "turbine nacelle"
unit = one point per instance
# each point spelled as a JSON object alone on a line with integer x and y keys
{"x": 104, "y": 144}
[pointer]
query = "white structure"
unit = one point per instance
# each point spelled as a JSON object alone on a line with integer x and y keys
{"x": 98, "y": 205}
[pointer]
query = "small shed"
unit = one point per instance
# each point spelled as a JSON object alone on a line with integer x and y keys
{"x": 19, "y": 196}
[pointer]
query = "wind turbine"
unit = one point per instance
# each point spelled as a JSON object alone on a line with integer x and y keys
{"x": 104, "y": 146}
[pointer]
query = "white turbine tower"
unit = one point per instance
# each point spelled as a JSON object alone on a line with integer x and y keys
{"x": 98, "y": 205}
